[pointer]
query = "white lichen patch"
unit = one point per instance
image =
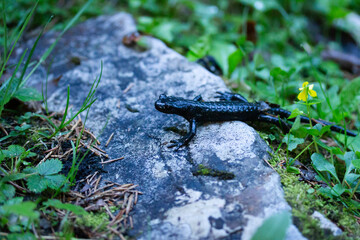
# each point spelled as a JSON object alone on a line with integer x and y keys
{"x": 196, "y": 215}
{"x": 236, "y": 186}
{"x": 189, "y": 196}
{"x": 158, "y": 170}
{"x": 233, "y": 141}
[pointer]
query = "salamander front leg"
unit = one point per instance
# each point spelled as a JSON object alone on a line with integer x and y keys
{"x": 186, "y": 139}
{"x": 198, "y": 98}
{"x": 231, "y": 97}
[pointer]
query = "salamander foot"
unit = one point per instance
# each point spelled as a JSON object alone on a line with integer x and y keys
{"x": 177, "y": 144}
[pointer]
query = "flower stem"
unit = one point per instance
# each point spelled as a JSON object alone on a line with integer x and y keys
{"x": 310, "y": 121}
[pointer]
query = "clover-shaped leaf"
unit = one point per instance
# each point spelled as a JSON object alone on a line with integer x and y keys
{"x": 45, "y": 176}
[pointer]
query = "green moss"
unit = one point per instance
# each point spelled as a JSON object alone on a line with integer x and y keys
{"x": 94, "y": 220}
{"x": 304, "y": 200}
{"x": 205, "y": 171}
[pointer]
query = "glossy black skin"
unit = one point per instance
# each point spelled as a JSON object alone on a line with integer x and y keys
{"x": 210, "y": 64}
{"x": 230, "y": 107}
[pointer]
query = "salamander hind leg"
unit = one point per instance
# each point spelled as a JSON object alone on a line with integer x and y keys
{"x": 275, "y": 120}
{"x": 231, "y": 97}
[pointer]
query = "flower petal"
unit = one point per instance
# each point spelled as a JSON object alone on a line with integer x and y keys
{"x": 311, "y": 86}
{"x": 302, "y": 96}
{"x": 312, "y": 93}
{"x": 305, "y": 84}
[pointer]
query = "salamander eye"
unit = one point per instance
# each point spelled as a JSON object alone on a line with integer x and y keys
{"x": 162, "y": 97}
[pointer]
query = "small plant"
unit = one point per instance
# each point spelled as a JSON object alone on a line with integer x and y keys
{"x": 14, "y": 87}
{"x": 45, "y": 175}
{"x": 20, "y": 168}
{"x": 89, "y": 100}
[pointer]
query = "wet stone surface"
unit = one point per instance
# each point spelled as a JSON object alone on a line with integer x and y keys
{"x": 175, "y": 203}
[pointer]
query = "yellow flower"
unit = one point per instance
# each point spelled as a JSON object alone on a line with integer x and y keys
{"x": 306, "y": 90}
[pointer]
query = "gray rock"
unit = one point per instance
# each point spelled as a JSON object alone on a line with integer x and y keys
{"x": 175, "y": 204}
{"x": 326, "y": 224}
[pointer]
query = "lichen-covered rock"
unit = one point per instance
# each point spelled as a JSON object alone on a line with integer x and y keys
{"x": 326, "y": 224}
{"x": 180, "y": 200}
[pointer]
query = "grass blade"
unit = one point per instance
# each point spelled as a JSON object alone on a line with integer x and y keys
{"x": 6, "y": 95}
{"x": 32, "y": 51}
{"x": 5, "y": 32}
{"x": 49, "y": 50}
{"x": 18, "y": 37}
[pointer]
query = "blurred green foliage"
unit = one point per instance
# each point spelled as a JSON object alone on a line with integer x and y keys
{"x": 266, "y": 49}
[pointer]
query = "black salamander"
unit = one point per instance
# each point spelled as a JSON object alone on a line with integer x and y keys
{"x": 231, "y": 107}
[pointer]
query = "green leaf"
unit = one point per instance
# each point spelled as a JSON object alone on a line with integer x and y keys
{"x": 29, "y": 154}
{"x": 356, "y": 163}
{"x": 22, "y": 236}
{"x": 199, "y": 49}
{"x": 333, "y": 150}
{"x": 274, "y": 227}
{"x": 326, "y": 192}
{"x": 65, "y": 206}
{"x": 349, "y": 92}
{"x": 165, "y": 30}
{"x": 296, "y": 125}
{"x": 55, "y": 181}
{"x": 47, "y": 177}
{"x": 234, "y": 59}
{"x": 14, "y": 177}
{"x": 353, "y": 143}
{"x": 321, "y": 164}
{"x": 49, "y": 167}
{"x": 296, "y": 112}
{"x": 14, "y": 151}
{"x": 37, "y": 183}
{"x": 23, "y": 127}
{"x": 279, "y": 74}
{"x": 337, "y": 190}
{"x": 351, "y": 179}
{"x": 318, "y": 130}
{"x": 291, "y": 141}
{"x": 259, "y": 61}
{"x": 2, "y": 155}
{"x": 221, "y": 51}
{"x": 348, "y": 157}
{"x": 246, "y": 46}
{"x": 28, "y": 94}
{"x": 6, "y": 192}
{"x": 324, "y": 129}
{"x": 22, "y": 209}
{"x": 355, "y": 204}
{"x": 293, "y": 169}
{"x": 12, "y": 134}
{"x": 25, "y": 117}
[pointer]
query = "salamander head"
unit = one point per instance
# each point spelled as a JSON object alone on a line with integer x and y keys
{"x": 167, "y": 104}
